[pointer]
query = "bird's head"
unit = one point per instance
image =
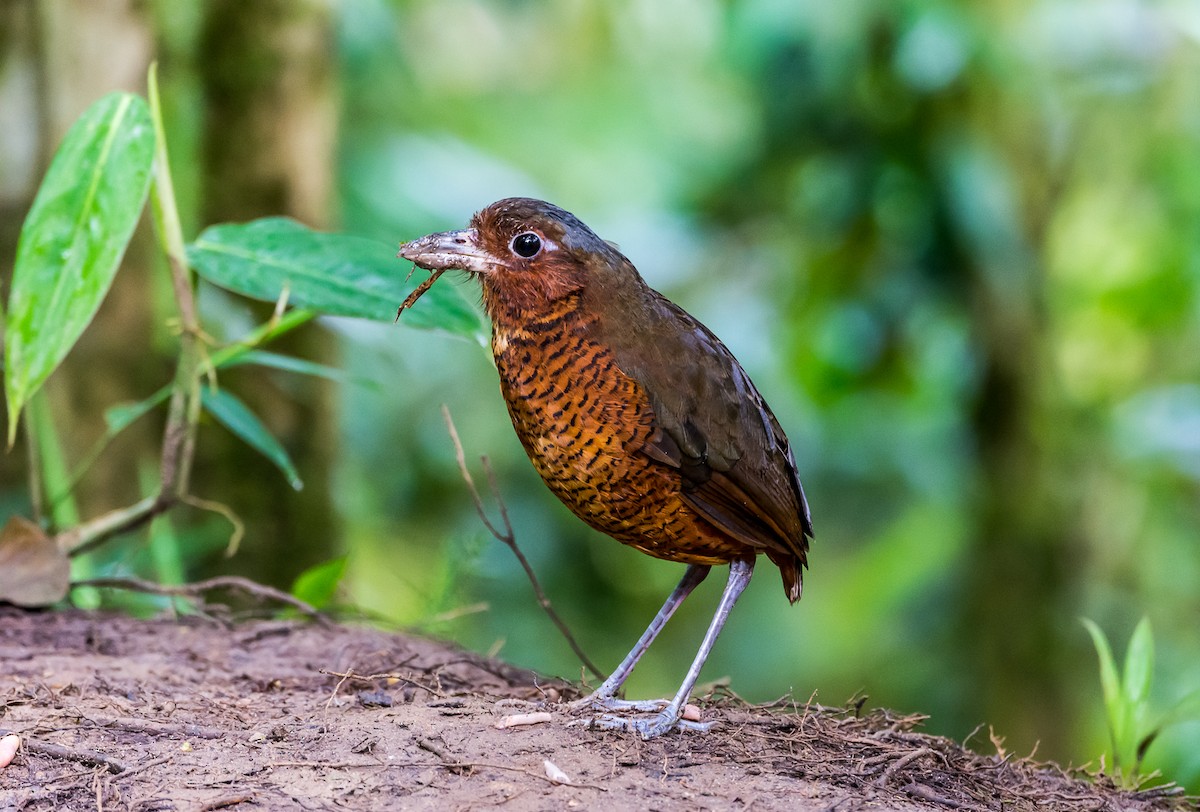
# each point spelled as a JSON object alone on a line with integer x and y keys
{"x": 526, "y": 253}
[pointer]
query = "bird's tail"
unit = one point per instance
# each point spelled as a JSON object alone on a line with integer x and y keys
{"x": 791, "y": 569}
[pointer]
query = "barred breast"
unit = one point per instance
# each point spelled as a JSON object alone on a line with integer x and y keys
{"x": 584, "y": 423}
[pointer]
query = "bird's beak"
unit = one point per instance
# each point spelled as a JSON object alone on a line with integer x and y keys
{"x": 450, "y": 250}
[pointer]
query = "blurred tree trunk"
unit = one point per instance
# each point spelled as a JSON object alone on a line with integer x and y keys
{"x": 1017, "y": 563}
{"x": 266, "y": 74}
{"x": 1018, "y": 579}
{"x": 19, "y": 129}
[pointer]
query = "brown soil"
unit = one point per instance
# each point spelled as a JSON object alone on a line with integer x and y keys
{"x": 122, "y": 714}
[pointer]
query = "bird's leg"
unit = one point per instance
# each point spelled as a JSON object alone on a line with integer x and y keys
{"x": 740, "y": 571}
{"x": 604, "y": 697}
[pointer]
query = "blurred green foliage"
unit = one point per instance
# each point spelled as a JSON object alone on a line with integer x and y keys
{"x": 957, "y": 246}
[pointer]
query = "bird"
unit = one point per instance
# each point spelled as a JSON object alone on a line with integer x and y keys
{"x": 635, "y": 415}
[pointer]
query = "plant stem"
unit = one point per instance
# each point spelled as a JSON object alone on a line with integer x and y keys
{"x": 183, "y": 414}
{"x": 81, "y": 538}
{"x": 59, "y": 503}
{"x": 267, "y": 332}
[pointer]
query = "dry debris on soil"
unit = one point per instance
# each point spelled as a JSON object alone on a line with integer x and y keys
{"x": 122, "y": 714}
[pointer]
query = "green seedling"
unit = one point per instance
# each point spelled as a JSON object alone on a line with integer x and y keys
{"x": 1127, "y": 701}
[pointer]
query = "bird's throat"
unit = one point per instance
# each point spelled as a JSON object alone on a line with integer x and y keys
{"x": 515, "y": 296}
{"x": 517, "y": 322}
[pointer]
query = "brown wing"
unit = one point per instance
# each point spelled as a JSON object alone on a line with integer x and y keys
{"x": 714, "y": 427}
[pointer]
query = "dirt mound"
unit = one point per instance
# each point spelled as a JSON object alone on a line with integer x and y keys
{"x": 123, "y": 714}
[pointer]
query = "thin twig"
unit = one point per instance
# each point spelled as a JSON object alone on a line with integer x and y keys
{"x": 902, "y": 762}
{"x": 221, "y": 509}
{"x": 160, "y": 728}
{"x": 197, "y": 588}
{"x": 925, "y": 793}
{"x": 154, "y": 762}
{"x": 509, "y": 539}
{"x": 228, "y": 801}
{"x": 437, "y": 750}
{"x": 89, "y": 757}
{"x": 83, "y": 537}
{"x": 351, "y": 675}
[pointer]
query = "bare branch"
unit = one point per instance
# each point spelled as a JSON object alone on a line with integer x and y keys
{"x": 83, "y": 537}
{"x": 199, "y": 587}
{"x": 509, "y": 539}
{"x": 90, "y": 757}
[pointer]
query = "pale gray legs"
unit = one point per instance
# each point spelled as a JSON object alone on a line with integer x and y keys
{"x": 669, "y": 714}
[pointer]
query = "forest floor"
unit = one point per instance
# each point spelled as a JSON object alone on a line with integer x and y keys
{"x": 116, "y": 713}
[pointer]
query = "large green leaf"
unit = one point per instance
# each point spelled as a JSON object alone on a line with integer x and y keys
{"x": 330, "y": 273}
{"x": 237, "y": 417}
{"x": 73, "y": 239}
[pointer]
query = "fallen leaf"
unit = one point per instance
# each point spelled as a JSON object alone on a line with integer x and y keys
{"x": 33, "y": 571}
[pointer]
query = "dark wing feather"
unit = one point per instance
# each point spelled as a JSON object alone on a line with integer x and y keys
{"x": 712, "y": 424}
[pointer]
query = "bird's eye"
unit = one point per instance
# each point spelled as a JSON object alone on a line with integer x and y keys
{"x": 526, "y": 244}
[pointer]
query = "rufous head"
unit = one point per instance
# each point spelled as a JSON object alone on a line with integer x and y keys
{"x": 525, "y": 252}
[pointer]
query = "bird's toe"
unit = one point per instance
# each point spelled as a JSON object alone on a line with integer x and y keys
{"x": 647, "y": 728}
{"x": 610, "y": 704}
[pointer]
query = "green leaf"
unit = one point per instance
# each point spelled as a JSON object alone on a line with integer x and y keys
{"x": 1139, "y": 664}
{"x": 120, "y": 417}
{"x": 1110, "y": 684}
{"x": 235, "y": 416}
{"x": 1139, "y": 667}
{"x": 1187, "y": 709}
{"x": 317, "y": 585}
{"x": 287, "y": 363}
{"x": 72, "y": 240}
{"x": 334, "y": 274}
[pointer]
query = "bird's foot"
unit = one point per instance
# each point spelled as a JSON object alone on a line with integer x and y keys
{"x": 611, "y": 704}
{"x": 668, "y": 719}
{"x": 620, "y": 714}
